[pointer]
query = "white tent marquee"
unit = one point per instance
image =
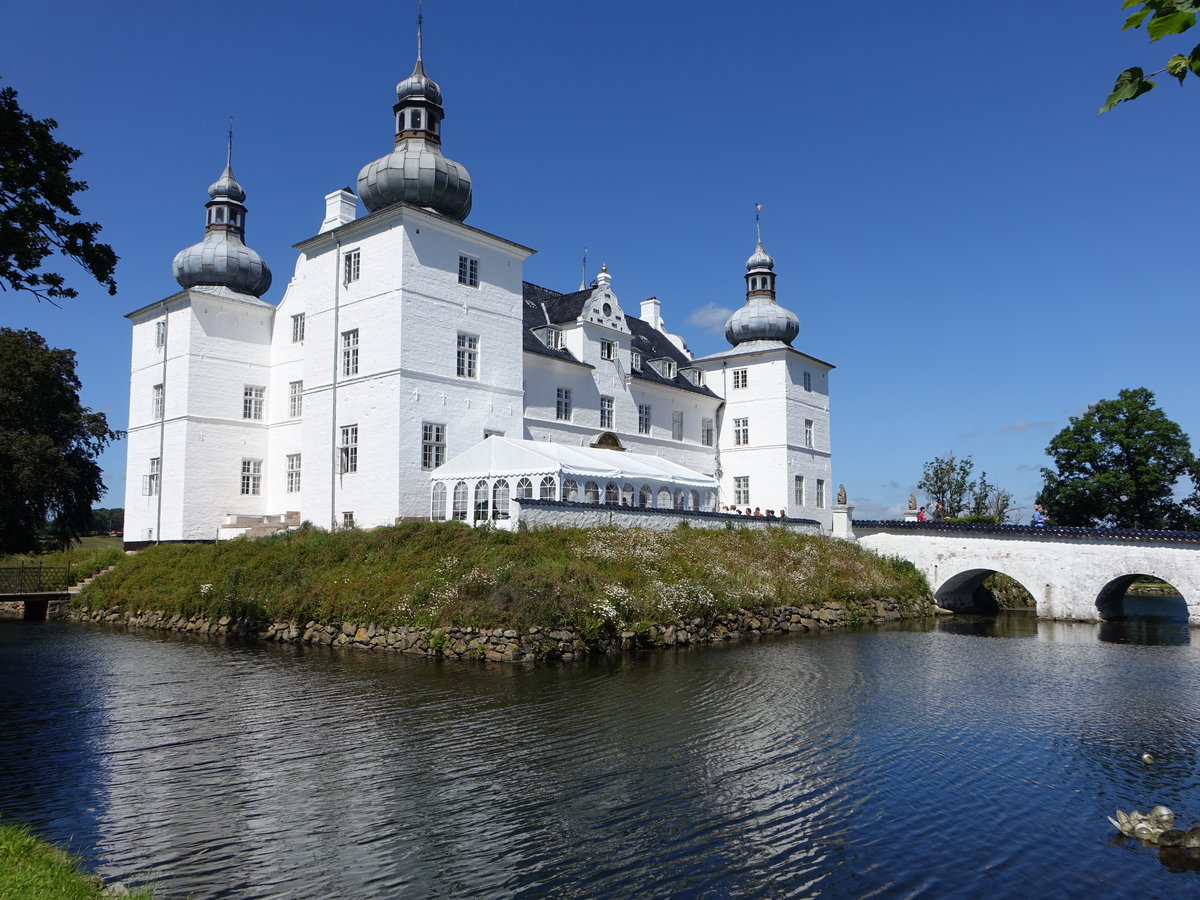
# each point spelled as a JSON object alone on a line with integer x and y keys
{"x": 479, "y": 484}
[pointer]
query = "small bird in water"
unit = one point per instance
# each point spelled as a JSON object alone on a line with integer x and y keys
{"x": 1147, "y": 758}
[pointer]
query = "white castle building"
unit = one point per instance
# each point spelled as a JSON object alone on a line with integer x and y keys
{"x": 406, "y": 338}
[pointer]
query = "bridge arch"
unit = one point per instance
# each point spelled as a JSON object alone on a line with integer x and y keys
{"x": 965, "y": 591}
{"x": 1110, "y": 601}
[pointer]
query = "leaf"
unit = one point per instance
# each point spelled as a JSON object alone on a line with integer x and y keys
{"x": 1194, "y": 61}
{"x": 1129, "y": 3}
{"x": 1135, "y": 21}
{"x": 1130, "y": 84}
{"x": 1165, "y": 23}
{"x": 1177, "y": 67}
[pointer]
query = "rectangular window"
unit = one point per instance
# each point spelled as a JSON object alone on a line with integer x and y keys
{"x": 606, "y": 412}
{"x": 252, "y": 401}
{"x": 433, "y": 445}
{"x": 562, "y": 409}
{"x": 554, "y": 338}
{"x": 643, "y": 418}
{"x": 741, "y": 378}
{"x": 706, "y": 432}
{"x": 468, "y": 356}
{"x": 151, "y": 483}
{"x": 351, "y": 266}
{"x": 349, "y": 449}
{"x": 350, "y": 352}
{"x": 799, "y": 498}
{"x": 468, "y": 271}
{"x": 808, "y": 432}
{"x": 295, "y": 399}
{"x": 348, "y": 519}
{"x": 808, "y": 381}
{"x": 741, "y": 432}
{"x": 635, "y": 360}
{"x": 677, "y": 424}
{"x": 252, "y": 477}
{"x": 156, "y": 403}
{"x": 160, "y": 334}
{"x": 608, "y": 349}
{"x": 741, "y": 490}
{"x": 668, "y": 368}
{"x": 293, "y": 473}
{"x": 820, "y": 494}
{"x": 297, "y": 328}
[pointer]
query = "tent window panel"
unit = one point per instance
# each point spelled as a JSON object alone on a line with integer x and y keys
{"x": 481, "y": 500}
{"x": 460, "y": 501}
{"x": 548, "y": 488}
{"x": 664, "y": 498}
{"x": 437, "y": 506}
{"x": 570, "y": 490}
{"x": 627, "y": 495}
{"x": 500, "y": 499}
{"x": 591, "y": 492}
{"x": 645, "y": 496}
{"x": 612, "y": 494}
{"x": 525, "y": 489}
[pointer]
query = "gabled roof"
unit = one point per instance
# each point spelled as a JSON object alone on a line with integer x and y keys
{"x": 564, "y": 309}
{"x": 497, "y": 456}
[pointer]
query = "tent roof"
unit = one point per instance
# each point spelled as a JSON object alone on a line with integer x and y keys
{"x": 500, "y": 456}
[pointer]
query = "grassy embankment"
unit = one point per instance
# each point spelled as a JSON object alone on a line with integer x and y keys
{"x": 91, "y": 556}
{"x": 31, "y": 868}
{"x": 446, "y": 574}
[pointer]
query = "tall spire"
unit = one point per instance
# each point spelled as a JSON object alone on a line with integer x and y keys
{"x": 761, "y": 319}
{"x": 420, "y": 18}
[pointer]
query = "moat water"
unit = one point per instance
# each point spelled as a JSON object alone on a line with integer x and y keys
{"x": 959, "y": 758}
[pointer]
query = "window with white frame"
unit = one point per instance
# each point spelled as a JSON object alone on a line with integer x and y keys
{"x": 252, "y": 401}
{"x": 152, "y": 483}
{"x": 468, "y": 356}
{"x": 798, "y": 498}
{"x": 741, "y": 432}
{"x": 295, "y": 399}
{"x": 741, "y": 378}
{"x": 433, "y": 445}
{"x": 160, "y": 333}
{"x": 348, "y": 519}
{"x": 808, "y": 432}
{"x": 461, "y": 501}
{"x": 468, "y": 270}
{"x": 351, "y": 267}
{"x": 252, "y": 477}
{"x": 350, "y": 352}
{"x": 606, "y": 412}
{"x": 668, "y": 368}
{"x": 741, "y": 490}
{"x": 706, "y": 432}
{"x": 156, "y": 402}
{"x": 297, "y": 328}
{"x": 349, "y": 449}
{"x": 677, "y": 424}
{"x": 643, "y": 418}
{"x": 548, "y": 489}
{"x": 554, "y": 338}
{"x": 820, "y": 494}
{"x": 293, "y": 473}
{"x": 635, "y": 361}
{"x": 608, "y": 349}
{"x": 562, "y": 408}
{"x": 808, "y": 381}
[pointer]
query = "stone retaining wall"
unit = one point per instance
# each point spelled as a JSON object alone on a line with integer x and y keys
{"x": 572, "y": 514}
{"x": 530, "y": 645}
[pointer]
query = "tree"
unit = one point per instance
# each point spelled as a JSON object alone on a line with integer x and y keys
{"x": 948, "y": 482}
{"x": 989, "y": 501}
{"x": 36, "y": 209}
{"x": 1166, "y": 17}
{"x": 1118, "y": 465}
{"x": 48, "y": 445}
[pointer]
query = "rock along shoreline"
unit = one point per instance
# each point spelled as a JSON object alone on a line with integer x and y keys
{"x": 534, "y": 644}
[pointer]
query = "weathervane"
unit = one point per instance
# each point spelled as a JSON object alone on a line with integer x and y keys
{"x": 420, "y": 18}
{"x": 583, "y": 273}
{"x": 757, "y": 225}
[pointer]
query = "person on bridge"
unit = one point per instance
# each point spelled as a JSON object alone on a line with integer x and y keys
{"x": 939, "y": 512}
{"x": 1039, "y": 516}
{"x": 921, "y": 514}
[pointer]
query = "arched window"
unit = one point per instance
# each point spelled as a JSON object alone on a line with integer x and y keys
{"x": 591, "y": 492}
{"x": 570, "y": 490}
{"x": 500, "y": 499}
{"x": 612, "y": 494}
{"x": 680, "y": 499}
{"x": 481, "y": 500}
{"x": 695, "y": 504}
{"x": 437, "y": 504}
{"x": 664, "y": 498}
{"x": 627, "y": 494}
{"x": 525, "y": 489}
{"x": 461, "y": 498}
{"x": 645, "y": 496}
{"x": 220, "y": 214}
{"x": 548, "y": 488}
{"x": 754, "y": 284}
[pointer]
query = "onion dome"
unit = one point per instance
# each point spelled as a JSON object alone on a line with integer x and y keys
{"x": 221, "y": 259}
{"x": 761, "y": 319}
{"x": 416, "y": 172}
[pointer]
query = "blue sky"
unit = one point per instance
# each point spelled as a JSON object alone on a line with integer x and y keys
{"x": 978, "y": 254}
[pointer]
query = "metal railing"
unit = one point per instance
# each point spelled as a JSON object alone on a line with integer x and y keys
{"x": 34, "y": 579}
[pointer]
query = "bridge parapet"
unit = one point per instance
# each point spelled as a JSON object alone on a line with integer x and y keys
{"x": 1115, "y": 535}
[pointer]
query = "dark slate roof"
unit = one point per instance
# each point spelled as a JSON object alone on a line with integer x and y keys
{"x": 565, "y": 309}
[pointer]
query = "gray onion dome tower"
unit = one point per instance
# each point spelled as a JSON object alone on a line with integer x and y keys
{"x": 761, "y": 319}
{"x": 221, "y": 259}
{"x": 416, "y": 172}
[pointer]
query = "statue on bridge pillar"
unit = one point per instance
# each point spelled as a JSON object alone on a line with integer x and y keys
{"x": 841, "y": 497}
{"x": 912, "y": 501}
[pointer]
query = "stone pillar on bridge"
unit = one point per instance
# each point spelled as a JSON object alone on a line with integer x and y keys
{"x": 843, "y": 522}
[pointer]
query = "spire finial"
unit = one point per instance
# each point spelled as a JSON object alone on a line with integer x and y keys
{"x": 757, "y": 225}
{"x": 583, "y": 272}
{"x": 420, "y": 19}
{"x": 229, "y": 146}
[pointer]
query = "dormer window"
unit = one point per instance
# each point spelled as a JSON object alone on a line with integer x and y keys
{"x": 665, "y": 367}
{"x": 694, "y": 375}
{"x": 550, "y": 336}
{"x": 635, "y": 360}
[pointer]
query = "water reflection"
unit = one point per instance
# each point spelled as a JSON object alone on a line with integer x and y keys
{"x": 1020, "y": 624}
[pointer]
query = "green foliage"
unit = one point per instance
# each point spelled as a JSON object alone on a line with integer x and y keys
{"x": 1166, "y": 17}
{"x": 949, "y": 481}
{"x": 1118, "y": 465}
{"x": 1009, "y": 592}
{"x": 31, "y": 868}
{"x": 442, "y": 574}
{"x": 49, "y": 445}
{"x": 36, "y": 208}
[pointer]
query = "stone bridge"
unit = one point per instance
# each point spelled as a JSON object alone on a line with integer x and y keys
{"x": 1072, "y": 573}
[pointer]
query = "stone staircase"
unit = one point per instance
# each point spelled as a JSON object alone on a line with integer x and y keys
{"x": 257, "y": 526}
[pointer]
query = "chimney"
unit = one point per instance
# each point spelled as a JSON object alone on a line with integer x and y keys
{"x": 340, "y": 207}
{"x": 652, "y": 313}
